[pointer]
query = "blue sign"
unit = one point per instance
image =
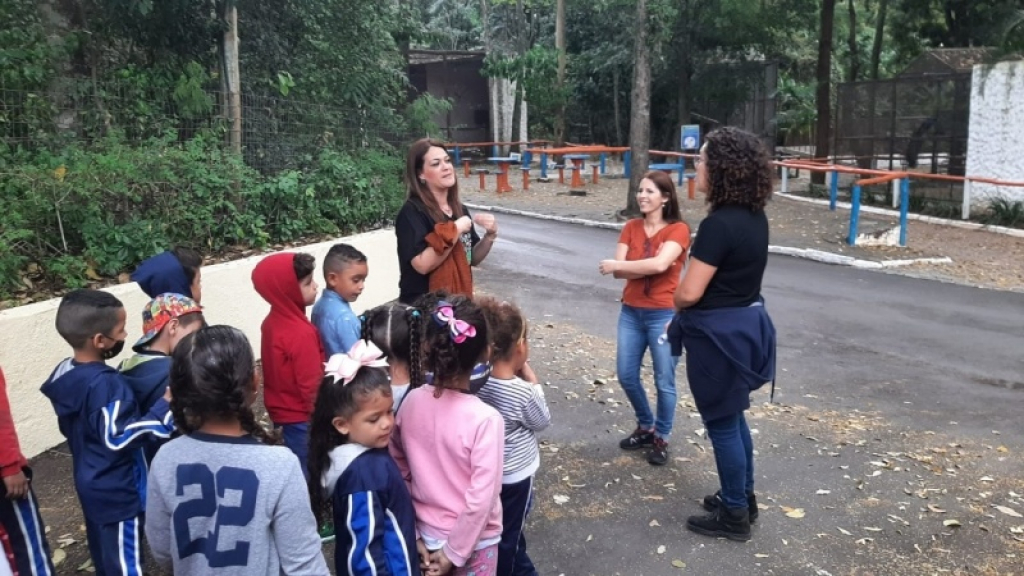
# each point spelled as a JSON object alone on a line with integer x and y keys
{"x": 689, "y": 137}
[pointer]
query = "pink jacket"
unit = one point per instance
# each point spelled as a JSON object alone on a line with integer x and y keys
{"x": 449, "y": 450}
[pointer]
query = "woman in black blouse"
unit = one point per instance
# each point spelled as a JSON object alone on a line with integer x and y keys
{"x": 437, "y": 242}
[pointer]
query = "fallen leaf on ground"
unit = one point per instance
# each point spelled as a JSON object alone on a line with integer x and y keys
{"x": 951, "y": 523}
{"x": 823, "y": 492}
{"x": 560, "y": 498}
{"x": 760, "y": 555}
{"x": 936, "y": 509}
{"x": 661, "y": 549}
{"x": 59, "y": 556}
{"x": 846, "y": 532}
{"x": 796, "y": 513}
{"x": 654, "y": 523}
{"x": 679, "y": 564}
{"x": 1009, "y": 511}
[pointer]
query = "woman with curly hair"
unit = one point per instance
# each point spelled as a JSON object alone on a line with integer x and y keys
{"x": 722, "y": 322}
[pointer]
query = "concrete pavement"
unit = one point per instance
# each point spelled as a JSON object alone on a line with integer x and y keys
{"x": 898, "y": 409}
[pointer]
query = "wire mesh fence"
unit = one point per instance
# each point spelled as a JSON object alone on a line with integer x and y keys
{"x": 277, "y": 133}
{"x": 917, "y": 123}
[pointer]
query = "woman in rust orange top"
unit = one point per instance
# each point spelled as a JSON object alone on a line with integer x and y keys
{"x": 650, "y": 258}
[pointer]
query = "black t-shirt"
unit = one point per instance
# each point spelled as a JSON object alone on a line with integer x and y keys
{"x": 412, "y": 224}
{"x": 735, "y": 240}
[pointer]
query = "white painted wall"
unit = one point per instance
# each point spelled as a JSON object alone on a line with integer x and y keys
{"x": 30, "y": 347}
{"x": 995, "y": 144}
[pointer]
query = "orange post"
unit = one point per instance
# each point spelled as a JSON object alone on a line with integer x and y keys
{"x": 596, "y": 169}
{"x": 465, "y": 168}
{"x": 503, "y": 185}
{"x": 690, "y": 188}
{"x": 483, "y": 185}
{"x": 561, "y": 174}
{"x": 526, "y": 179}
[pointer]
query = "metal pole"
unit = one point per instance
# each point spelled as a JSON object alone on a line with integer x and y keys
{"x": 904, "y": 208}
{"x": 896, "y": 191}
{"x": 603, "y": 159}
{"x": 965, "y": 210}
{"x": 543, "y": 165}
{"x": 785, "y": 180}
{"x": 851, "y": 238}
{"x": 458, "y": 158}
{"x": 834, "y": 191}
{"x": 628, "y": 159}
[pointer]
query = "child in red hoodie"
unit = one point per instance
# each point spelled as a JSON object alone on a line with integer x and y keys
{"x": 291, "y": 352}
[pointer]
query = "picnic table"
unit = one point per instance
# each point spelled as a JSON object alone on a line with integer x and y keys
{"x": 577, "y": 173}
{"x": 503, "y": 163}
{"x": 668, "y": 168}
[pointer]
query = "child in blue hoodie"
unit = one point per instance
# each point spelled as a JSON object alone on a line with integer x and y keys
{"x": 177, "y": 270}
{"x": 166, "y": 320}
{"x": 97, "y": 413}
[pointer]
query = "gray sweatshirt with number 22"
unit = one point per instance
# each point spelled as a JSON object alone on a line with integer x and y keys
{"x": 231, "y": 506}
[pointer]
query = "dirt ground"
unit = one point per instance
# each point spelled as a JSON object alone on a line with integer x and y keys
{"x": 979, "y": 258}
{"x": 893, "y": 500}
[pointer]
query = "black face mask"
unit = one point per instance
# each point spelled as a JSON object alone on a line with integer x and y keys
{"x": 110, "y": 353}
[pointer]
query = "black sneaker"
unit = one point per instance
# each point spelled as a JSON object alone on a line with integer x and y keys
{"x": 730, "y": 523}
{"x": 714, "y": 502}
{"x": 638, "y": 439}
{"x": 658, "y": 456}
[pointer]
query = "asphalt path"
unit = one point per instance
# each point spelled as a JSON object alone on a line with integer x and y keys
{"x": 924, "y": 357}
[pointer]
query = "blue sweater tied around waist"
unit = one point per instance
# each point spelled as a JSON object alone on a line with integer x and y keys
{"x": 729, "y": 353}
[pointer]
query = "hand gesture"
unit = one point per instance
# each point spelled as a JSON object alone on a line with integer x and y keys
{"x": 487, "y": 222}
{"x": 463, "y": 224}
{"x": 607, "y": 266}
{"x": 421, "y": 549}
{"x": 17, "y": 486}
{"x": 439, "y": 564}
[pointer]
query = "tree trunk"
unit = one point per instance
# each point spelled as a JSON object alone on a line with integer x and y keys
{"x": 232, "y": 76}
{"x": 823, "y": 94}
{"x": 876, "y": 47}
{"x": 640, "y": 116}
{"x": 852, "y": 43}
{"x": 615, "y": 103}
{"x": 560, "y": 84}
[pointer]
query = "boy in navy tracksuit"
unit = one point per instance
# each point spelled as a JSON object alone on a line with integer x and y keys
{"x": 97, "y": 413}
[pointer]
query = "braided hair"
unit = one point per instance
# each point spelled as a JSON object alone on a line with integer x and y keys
{"x": 336, "y": 399}
{"x": 213, "y": 371}
{"x": 395, "y": 329}
{"x": 451, "y": 363}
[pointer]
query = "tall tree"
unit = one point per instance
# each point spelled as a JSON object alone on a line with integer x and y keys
{"x": 823, "y": 94}
{"x": 851, "y": 41}
{"x": 560, "y": 85}
{"x": 876, "y": 46}
{"x": 640, "y": 118}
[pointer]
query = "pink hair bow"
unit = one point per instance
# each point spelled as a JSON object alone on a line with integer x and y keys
{"x": 460, "y": 329}
{"x": 344, "y": 367}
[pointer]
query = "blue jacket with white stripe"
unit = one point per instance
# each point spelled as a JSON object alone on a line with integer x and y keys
{"x": 97, "y": 413}
{"x": 373, "y": 514}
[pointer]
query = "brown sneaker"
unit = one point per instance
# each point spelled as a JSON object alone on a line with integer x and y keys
{"x": 658, "y": 456}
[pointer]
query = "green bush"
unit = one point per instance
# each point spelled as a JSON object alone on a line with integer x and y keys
{"x": 85, "y": 212}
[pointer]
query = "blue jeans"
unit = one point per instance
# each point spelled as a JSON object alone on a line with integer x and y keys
{"x": 734, "y": 458}
{"x": 296, "y": 438}
{"x": 639, "y": 330}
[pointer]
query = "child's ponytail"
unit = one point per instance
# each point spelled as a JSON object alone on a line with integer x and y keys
{"x": 415, "y": 319}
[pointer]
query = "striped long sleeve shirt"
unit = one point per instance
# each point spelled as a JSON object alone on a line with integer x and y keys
{"x": 525, "y": 411}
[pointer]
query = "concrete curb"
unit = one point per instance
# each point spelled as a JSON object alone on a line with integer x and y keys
{"x": 919, "y": 217}
{"x": 805, "y": 253}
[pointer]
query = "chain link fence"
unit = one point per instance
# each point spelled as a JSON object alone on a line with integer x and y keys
{"x": 277, "y": 133}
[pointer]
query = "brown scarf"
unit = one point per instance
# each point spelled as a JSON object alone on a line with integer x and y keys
{"x": 453, "y": 275}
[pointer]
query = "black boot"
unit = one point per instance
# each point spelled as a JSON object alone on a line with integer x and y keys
{"x": 714, "y": 501}
{"x": 731, "y": 523}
